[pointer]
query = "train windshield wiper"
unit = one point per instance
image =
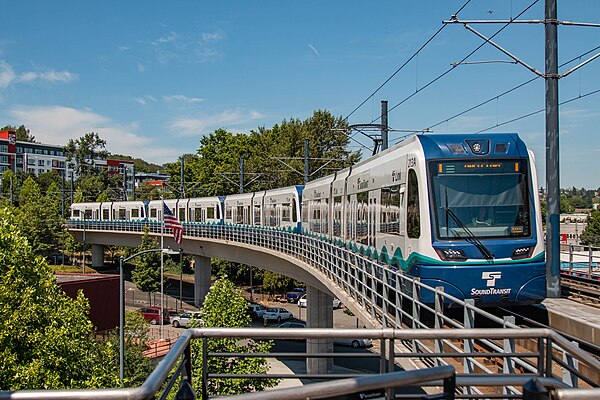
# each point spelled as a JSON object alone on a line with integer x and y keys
{"x": 471, "y": 237}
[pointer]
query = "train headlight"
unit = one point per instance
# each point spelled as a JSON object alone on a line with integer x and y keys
{"x": 522, "y": 252}
{"x": 451, "y": 254}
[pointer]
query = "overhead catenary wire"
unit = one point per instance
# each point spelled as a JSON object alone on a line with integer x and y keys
{"x": 415, "y": 54}
{"x": 579, "y": 97}
{"x": 507, "y": 91}
{"x": 462, "y": 60}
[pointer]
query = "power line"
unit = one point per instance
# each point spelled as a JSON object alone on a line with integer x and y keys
{"x": 404, "y": 64}
{"x": 581, "y": 96}
{"x": 464, "y": 59}
{"x": 507, "y": 91}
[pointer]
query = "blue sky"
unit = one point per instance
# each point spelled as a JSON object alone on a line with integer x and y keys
{"x": 153, "y": 77}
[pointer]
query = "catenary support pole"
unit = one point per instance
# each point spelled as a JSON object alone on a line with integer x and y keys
{"x": 306, "y": 161}
{"x": 384, "y": 125}
{"x": 552, "y": 154}
{"x": 241, "y": 175}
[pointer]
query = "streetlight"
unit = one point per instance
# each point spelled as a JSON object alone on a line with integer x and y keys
{"x": 122, "y": 304}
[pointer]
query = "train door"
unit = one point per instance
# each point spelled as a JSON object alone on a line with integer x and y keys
{"x": 413, "y": 215}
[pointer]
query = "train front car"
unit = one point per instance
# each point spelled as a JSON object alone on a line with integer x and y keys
{"x": 485, "y": 220}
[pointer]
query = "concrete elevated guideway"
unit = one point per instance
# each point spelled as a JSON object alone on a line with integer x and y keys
{"x": 320, "y": 288}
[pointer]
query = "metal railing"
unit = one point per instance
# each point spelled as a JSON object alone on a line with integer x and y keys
{"x": 583, "y": 261}
{"x": 442, "y": 380}
{"x": 390, "y": 298}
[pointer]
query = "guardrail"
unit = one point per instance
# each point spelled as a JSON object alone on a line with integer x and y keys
{"x": 583, "y": 261}
{"x": 388, "y": 296}
{"x": 442, "y": 380}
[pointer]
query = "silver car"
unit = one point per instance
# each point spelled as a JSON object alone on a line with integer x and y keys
{"x": 277, "y": 314}
{"x": 185, "y": 319}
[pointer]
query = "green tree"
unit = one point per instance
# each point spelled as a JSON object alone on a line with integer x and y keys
{"x": 46, "y": 338}
{"x": 277, "y": 283}
{"x": 23, "y": 134}
{"x": 83, "y": 151}
{"x": 137, "y": 366}
{"x": 146, "y": 274}
{"x": 39, "y": 221}
{"x": 591, "y": 234}
{"x": 138, "y": 164}
{"x": 225, "y": 306}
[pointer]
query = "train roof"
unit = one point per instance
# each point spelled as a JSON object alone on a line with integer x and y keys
{"x": 472, "y": 145}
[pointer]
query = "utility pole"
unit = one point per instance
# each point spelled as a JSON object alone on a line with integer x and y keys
{"x": 384, "y": 125}
{"x": 62, "y": 195}
{"x": 552, "y": 154}
{"x": 181, "y": 184}
{"x": 306, "y": 161}
{"x": 125, "y": 183}
{"x": 241, "y": 175}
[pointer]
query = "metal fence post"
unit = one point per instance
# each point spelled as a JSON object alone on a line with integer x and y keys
{"x": 508, "y": 366}
{"x": 204, "y": 386}
{"x": 468, "y": 347}
{"x": 416, "y": 311}
{"x": 439, "y": 322}
{"x": 569, "y": 377}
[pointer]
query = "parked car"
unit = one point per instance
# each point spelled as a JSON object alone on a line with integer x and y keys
{"x": 356, "y": 343}
{"x": 294, "y": 295}
{"x": 302, "y": 302}
{"x": 185, "y": 319}
{"x": 256, "y": 311}
{"x": 277, "y": 314}
{"x": 152, "y": 315}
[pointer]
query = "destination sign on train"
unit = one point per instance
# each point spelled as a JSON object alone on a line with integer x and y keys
{"x": 489, "y": 166}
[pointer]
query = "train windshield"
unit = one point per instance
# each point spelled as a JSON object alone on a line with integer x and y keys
{"x": 485, "y": 199}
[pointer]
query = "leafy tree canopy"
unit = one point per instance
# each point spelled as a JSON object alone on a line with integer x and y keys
{"x": 138, "y": 164}
{"x": 23, "y": 134}
{"x": 46, "y": 338}
{"x": 83, "y": 151}
{"x": 591, "y": 234}
{"x": 225, "y": 306}
{"x": 146, "y": 274}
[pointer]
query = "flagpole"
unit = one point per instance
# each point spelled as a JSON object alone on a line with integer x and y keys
{"x": 162, "y": 247}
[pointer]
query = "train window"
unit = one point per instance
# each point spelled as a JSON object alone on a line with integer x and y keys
{"x": 239, "y": 215}
{"x": 337, "y": 216}
{"x": 210, "y": 213}
{"x": 362, "y": 218}
{"x": 182, "y": 214}
{"x": 135, "y": 213}
{"x": 285, "y": 212}
{"x": 390, "y": 210}
{"x": 304, "y": 211}
{"x": 228, "y": 212}
{"x": 488, "y": 199}
{"x": 122, "y": 213}
{"x": 153, "y": 213}
{"x": 413, "y": 216}
{"x": 105, "y": 215}
{"x": 76, "y": 213}
{"x": 256, "y": 214}
{"x": 294, "y": 211}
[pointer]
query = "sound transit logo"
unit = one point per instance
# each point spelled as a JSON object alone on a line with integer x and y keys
{"x": 490, "y": 277}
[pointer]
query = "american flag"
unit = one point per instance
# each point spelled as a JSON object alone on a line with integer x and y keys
{"x": 172, "y": 222}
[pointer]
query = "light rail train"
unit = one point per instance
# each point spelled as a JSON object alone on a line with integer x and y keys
{"x": 457, "y": 211}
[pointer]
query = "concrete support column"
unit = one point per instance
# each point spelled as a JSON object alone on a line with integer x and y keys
{"x": 201, "y": 279}
{"x": 97, "y": 256}
{"x": 319, "y": 314}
